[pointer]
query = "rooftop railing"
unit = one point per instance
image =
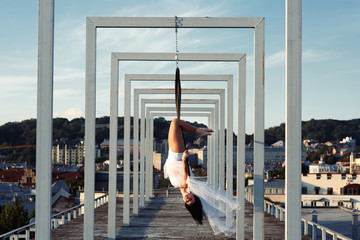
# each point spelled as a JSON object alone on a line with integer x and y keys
{"x": 309, "y": 228}
{"x": 28, "y": 231}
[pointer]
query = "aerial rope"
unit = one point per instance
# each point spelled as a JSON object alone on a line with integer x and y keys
{"x": 178, "y": 84}
{"x": 177, "y": 73}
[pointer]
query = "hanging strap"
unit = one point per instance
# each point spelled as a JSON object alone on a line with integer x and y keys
{"x": 178, "y": 107}
{"x": 178, "y": 84}
{"x": 178, "y": 98}
{"x": 177, "y": 92}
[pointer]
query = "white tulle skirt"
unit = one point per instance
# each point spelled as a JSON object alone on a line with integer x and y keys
{"x": 215, "y": 202}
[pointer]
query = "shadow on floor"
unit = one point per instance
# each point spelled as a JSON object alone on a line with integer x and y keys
{"x": 140, "y": 223}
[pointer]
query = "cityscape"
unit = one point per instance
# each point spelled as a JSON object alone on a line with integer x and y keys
{"x": 179, "y": 119}
{"x": 329, "y": 172}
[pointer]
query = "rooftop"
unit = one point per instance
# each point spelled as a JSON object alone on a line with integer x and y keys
{"x": 163, "y": 218}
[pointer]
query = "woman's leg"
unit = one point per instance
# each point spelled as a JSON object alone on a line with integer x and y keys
{"x": 175, "y": 138}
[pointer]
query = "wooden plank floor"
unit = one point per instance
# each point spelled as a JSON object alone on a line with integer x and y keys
{"x": 163, "y": 218}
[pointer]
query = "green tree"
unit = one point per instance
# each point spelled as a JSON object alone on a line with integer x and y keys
{"x": 277, "y": 173}
{"x": 12, "y": 216}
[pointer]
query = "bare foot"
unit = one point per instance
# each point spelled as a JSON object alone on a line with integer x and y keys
{"x": 202, "y": 132}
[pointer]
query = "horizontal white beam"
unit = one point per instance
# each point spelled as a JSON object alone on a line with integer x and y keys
{"x": 183, "y": 101}
{"x": 183, "y": 91}
{"x": 195, "y": 57}
{"x": 188, "y": 109}
{"x": 184, "y": 77}
{"x": 169, "y": 22}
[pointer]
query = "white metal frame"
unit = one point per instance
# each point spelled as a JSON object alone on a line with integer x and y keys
{"x": 170, "y": 77}
{"x": 92, "y": 23}
{"x": 137, "y": 92}
{"x": 45, "y": 66}
{"x": 293, "y": 80}
{"x": 113, "y": 142}
{"x": 214, "y": 57}
{"x": 149, "y": 139}
{"x": 218, "y": 144}
{"x": 44, "y": 124}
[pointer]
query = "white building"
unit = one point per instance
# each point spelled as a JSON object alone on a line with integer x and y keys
{"x": 159, "y": 160}
{"x": 202, "y": 156}
{"x": 319, "y": 168}
{"x": 272, "y": 154}
{"x": 68, "y": 152}
{"x": 120, "y": 145}
{"x": 349, "y": 142}
{"x": 331, "y": 189}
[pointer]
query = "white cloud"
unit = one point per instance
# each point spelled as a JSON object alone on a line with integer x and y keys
{"x": 17, "y": 86}
{"x": 69, "y": 73}
{"x": 70, "y": 113}
{"x": 313, "y": 55}
{"x": 64, "y": 93}
{"x": 275, "y": 60}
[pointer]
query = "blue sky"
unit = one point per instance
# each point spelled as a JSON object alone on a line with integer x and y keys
{"x": 331, "y": 65}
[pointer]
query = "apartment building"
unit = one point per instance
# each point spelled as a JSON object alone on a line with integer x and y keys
{"x": 68, "y": 152}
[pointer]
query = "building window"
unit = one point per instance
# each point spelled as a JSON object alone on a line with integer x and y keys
{"x": 317, "y": 190}
{"x": 354, "y": 176}
{"x": 343, "y": 176}
{"x": 318, "y": 176}
{"x": 330, "y": 191}
{"x": 329, "y": 176}
{"x": 303, "y": 190}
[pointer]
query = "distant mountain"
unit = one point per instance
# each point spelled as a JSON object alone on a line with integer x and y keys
{"x": 24, "y": 133}
{"x": 321, "y": 130}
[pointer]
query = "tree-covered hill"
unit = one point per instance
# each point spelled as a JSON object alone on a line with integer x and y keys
{"x": 321, "y": 130}
{"x": 24, "y": 133}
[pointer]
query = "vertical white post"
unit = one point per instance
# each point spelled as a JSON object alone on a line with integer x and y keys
{"x": 151, "y": 156}
{"x": 240, "y": 180}
{"x": 222, "y": 143}
{"x": 209, "y": 157}
{"x": 293, "y": 120}
{"x": 90, "y": 117}
{"x": 216, "y": 147}
{"x": 142, "y": 157}
{"x": 136, "y": 158}
{"x": 44, "y": 119}
{"x": 229, "y": 149}
{"x": 212, "y": 151}
{"x": 148, "y": 163}
{"x": 126, "y": 209}
{"x": 259, "y": 68}
{"x": 113, "y": 147}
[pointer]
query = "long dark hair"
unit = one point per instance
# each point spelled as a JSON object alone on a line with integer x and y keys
{"x": 196, "y": 210}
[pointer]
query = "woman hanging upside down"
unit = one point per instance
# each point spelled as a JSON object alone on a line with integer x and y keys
{"x": 200, "y": 199}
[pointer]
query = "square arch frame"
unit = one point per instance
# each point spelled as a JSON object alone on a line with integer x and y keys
{"x": 149, "y": 140}
{"x": 129, "y": 78}
{"x": 92, "y": 23}
{"x": 137, "y": 92}
{"x": 145, "y": 101}
{"x": 213, "y": 57}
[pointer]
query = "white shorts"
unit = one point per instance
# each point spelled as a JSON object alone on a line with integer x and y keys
{"x": 173, "y": 168}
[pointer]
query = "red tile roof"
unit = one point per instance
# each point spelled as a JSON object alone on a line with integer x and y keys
{"x": 75, "y": 176}
{"x": 11, "y": 175}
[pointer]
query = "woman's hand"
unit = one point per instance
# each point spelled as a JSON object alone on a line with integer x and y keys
{"x": 202, "y": 132}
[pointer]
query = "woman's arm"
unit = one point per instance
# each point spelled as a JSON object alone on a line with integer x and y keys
{"x": 185, "y": 172}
